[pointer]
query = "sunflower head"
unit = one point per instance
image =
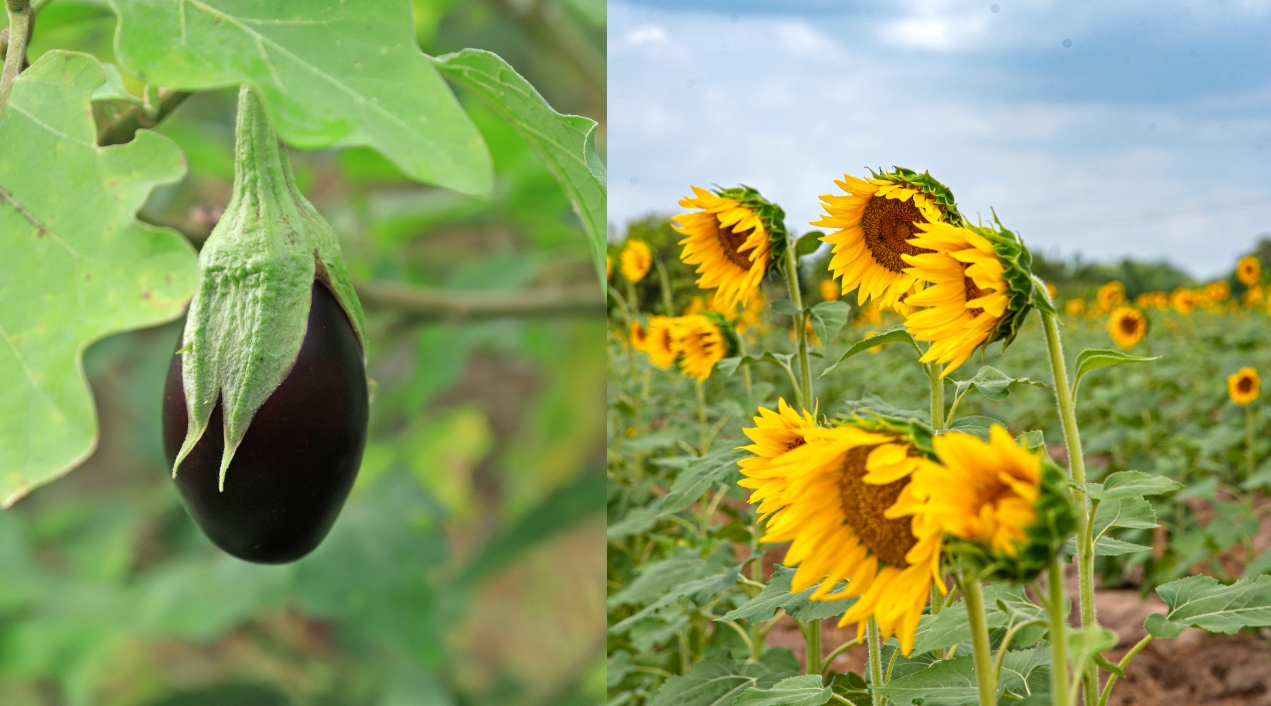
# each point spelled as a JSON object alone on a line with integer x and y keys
{"x": 1253, "y": 296}
{"x": 736, "y": 238}
{"x": 702, "y": 340}
{"x": 1218, "y": 291}
{"x": 636, "y": 260}
{"x": 1127, "y": 326}
{"x": 873, "y": 223}
{"x": 1243, "y": 386}
{"x": 980, "y": 289}
{"x": 1183, "y": 301}
{"x": 827, "y": 491}
{"x": 660, "y": 341}
{"x": 1004, "y": 509}
{"x": 1075, "y": 307}
{"x": 1110, "y": 295}
{"x": 1249, "y": 270}
{"x": 829, "y": 290}
{"x": 638, "y": 336}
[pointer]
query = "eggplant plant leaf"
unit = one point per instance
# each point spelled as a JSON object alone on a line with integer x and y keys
{"x": 331, "y": 72}
{"x": 566, "y": 143}
{"x": 77, "y": 265}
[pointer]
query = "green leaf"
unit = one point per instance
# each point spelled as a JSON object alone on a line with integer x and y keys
{"x": 113, "y": 89}
{"x": 805, "y": 690}
{"x": 827, "y": 319}
{"x": 852, "y": 687}
{"x": 1133, "y": 512}
{"x": 808, "y": 243}
{"x": 777, "y": 595}
{"x": 701, "y": 590}
{"x": 1130, "y": 483}
{"x": 77, "y": 266}
{"x": 1031, "y": 439}
{"x": 1202, "y": 602}
{"x": 659, "y": 577}
{"x": 567, "y": 143}
{"x": 718, "y": 681}
{"x": 992, "y": 383}
{"x": 699, "y": 476}
{"x": 948, "y": 681}
{"x": 332, "y": 72}
{"x": 891, "y": 335}
{"x": 785, "y": 307}
{"x": 728, "y": 366}
{"x": 950, "y": 626}
{"x": 1027, "y": 672}
{"x": 1095, "y": 358}
{"x": 1085, "y": 644}
{"x": 975, "y": 425}
{"x": 637, "y": 521}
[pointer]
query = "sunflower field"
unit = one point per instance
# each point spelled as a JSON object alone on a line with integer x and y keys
{"x": 904, "y": 468}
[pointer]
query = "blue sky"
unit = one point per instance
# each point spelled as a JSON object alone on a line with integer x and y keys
{"x": 1108, "y": 129}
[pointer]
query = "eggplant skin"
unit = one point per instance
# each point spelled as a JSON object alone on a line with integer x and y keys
{"x": 300, "y": 456}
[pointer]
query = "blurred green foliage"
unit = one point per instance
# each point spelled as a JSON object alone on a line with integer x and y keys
{"x": 467, "y": 566}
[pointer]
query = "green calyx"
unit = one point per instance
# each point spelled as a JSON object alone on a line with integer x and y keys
{"x": 773, "y": 217}
{"x": 912, "y": 431}
{"x": 250, "y": 313}
{"x": 929, "y": 185}
{"x": 1043, "y": 539}
{"x": 1023, "y": 290}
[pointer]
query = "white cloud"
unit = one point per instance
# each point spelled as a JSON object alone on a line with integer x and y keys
{"x": 647, "y": 35}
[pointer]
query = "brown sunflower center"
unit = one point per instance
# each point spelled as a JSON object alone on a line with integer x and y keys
{"x": 888, "y": 224}
{"x": 1130, "y": 325}
{"x": 972, "y": 292}
{"x": 730, "y": 240}
{"x": 864, "y": 503}
{"x": 1245, "y": 385}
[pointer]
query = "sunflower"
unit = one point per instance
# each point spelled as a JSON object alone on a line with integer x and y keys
{"x": 1249, "y": 270}
{"x": 1110, "y": 295}
{"x": 702, "y": 340}
{"x": 1243, "y": 386}
{"x": 827, "y": 494}
{"x": 736, "y": 239}
{"x": 608, "y": 267}
{"x": 1005, "y": 510}
{"x": 638, "y": 336}
{"x": 1127, "y": 326}
{"x": 1183, "y": 300}
{"x": 1218, "y": 291}
{"x": 874, "y": 223}
{"x": 979, "y": 290}
{"x": 660, "y": 342}
{"x": 636, "y": 260}
{"x": 829, "y": 290}
{"x": 1074, "y": 307}
{"x": 1253, "y": 296}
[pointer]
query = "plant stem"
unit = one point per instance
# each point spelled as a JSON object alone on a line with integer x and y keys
{"x": 973, "y": 596}
{"x": 1058, "y": 634}
{"x": 812, "y": 640}
{"x": 664, "y": 279}
{"x": 701, "y": 415}
{"x": 829, "y": 659}
{"x": 1107, "y": 688}
{"x": 800, "y": 325}
{"x": 875, "y": 661}
{"x": 745, "y": 375}
{"x": 937, "y": 396}
{"x": 19, "y": 30}
{"x": 1250, "y": 415}
{"x": 1077, "y": 467}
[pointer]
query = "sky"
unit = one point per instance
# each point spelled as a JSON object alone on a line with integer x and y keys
{"x": 1138, "y": 128}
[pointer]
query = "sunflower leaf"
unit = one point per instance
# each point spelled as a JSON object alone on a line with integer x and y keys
{"x": 785, "y": 307}
{"x": 1202, "y": 602}
{"x": 1129, "y": 483}
{"x": 827, "y": 320}
{"x": 699, "y": 590}
{"x": 718, "y": 680}
{"x": 699, "y": 476}
{"x": 1133, "y": 512}
{"x": 852, "y": 687}
{"x": 777, "y": 595}
{"x": 728, "y": 366}
{"x": 891, "y": 335}
{"x": 1085, "y": 644}
{"x": 975, "y": 425}
{"x": 1095, "y": 358}
{"x": 805, "y": 690}
{"x": 992, "y": 383}
{"x": 947, "y": 681}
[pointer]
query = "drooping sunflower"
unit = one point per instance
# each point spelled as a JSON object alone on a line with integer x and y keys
{"x": 1110, "y": 295}
{"x": 1243, "y": 386}
{"x": 827, "y": 494}
{"x": 736, "y": 239}
{"x": 660, "y": 341}
{"x": 636, "y": 260}
{"x": 874, "y": 223}
{"x": 1004, "y": 508}
{"x": 1249, "y": 270}
{"x": 979, "y": 290}
{"x": 1127, "y": 326}
{"x": 638, "y": 336}
{"x": 1183, "y": 301}
{"x": 702, "y": 341}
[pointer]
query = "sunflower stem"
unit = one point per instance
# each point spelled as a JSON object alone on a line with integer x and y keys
{"x": 19, "y": 28}
{"x": 701, "y": 416}
{"x": 973, "y": 596}
{"x": 800, "y": 325}
{"x": 1077, "y": 468}
{"x": 665, "y": 280}
{"x": 812, "y": 639}
{"x": 875, "y": 661}
{"x": 745, "y": 375}
{"x": 937, "y": 396}
{"x": 1250, "y": 417}
{"x": 1058, "y": 634}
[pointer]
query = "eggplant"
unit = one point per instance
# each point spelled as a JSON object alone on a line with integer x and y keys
{"x": 298, "y": 460}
